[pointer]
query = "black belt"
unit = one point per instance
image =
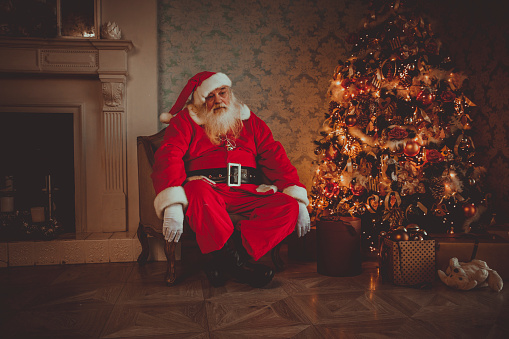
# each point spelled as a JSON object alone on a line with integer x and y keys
{"x": 230, "y": 175}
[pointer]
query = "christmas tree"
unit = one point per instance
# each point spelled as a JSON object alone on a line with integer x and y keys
{"x": 396, "y": 146}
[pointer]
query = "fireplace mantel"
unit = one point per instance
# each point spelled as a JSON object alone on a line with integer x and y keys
{"x": 64, "y": 56}
{"x": 37, "y": 75}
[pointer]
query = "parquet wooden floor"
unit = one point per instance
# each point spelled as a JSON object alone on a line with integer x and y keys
{"x": 123, "y": 300}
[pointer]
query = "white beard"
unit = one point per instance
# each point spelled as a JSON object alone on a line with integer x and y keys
{"x": 223, "y": 121}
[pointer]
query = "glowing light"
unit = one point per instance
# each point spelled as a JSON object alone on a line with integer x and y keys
{"x": 372, "y": 283}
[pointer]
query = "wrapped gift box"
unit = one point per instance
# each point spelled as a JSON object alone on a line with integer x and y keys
{"x": 491, "y": 248}
{"x": 407, "y": 263}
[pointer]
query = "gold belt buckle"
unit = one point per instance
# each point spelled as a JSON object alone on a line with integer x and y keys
{"x": 230, "y": 174}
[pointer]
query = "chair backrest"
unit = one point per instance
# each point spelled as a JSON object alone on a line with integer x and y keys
{"x": 147, "y": 146}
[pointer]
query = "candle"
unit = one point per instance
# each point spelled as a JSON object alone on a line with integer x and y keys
{"x": 7, "y": 204}
{"x": 37, "y": 214}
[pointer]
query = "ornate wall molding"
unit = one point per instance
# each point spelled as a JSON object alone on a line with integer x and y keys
{"x": 113, "y": 95}
{"x": 68, "y": 58}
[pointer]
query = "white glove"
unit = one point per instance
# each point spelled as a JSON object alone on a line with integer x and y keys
{"x": 303, "y": 222}
{"x": 173, "y": 222}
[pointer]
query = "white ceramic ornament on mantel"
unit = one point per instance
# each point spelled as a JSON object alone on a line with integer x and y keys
{"x": 110, "y": 30}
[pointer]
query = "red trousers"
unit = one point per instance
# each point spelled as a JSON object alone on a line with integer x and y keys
{"x": 272, "y": 216}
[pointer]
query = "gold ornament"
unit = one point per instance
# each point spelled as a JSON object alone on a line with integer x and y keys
{"x": 352, "y": 149}
{"x": 464, "y": 147}
{"x": 446, "y": 152}
{"x": 373, "y": 203}
{"x": 392, "y": 200}
{"x": 364, "y": 167}
{"x": 400, "y": 234}
{"x": 416, "y": 237}
{"x": 412, "y": 148}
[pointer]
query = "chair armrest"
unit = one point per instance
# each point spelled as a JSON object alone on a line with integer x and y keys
{"x": 148, "y": 216}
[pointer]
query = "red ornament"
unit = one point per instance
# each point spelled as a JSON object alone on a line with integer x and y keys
{"x": 331, "y": 189}
{"x": 351, "y": 120}
{"x": 412, "y": 148}
{"x": 357, "y": 189}
{"x": 434, "y": 156}
{"x": 362, "y": 83}
{"x": 426, "y": 97}
{"x": 469, "y": 210}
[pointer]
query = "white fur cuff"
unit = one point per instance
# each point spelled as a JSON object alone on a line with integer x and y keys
{"x": 297, "y": 192}
{"x": 169, "y": 196}
{"x": 265, "y": 188}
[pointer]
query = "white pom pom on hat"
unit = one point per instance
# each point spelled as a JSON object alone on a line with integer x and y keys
{"x": 201, "y": 84}
{"x": 165, "y": 117}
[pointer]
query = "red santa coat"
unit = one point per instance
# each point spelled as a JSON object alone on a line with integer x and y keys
{"x": 186, "y": 147}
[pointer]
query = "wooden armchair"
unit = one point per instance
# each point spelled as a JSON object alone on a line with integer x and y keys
{"x": 150, "y": 224}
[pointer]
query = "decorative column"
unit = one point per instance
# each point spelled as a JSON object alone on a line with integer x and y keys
{"x": 113, "y": 73}
{"x": 114, "y": 202}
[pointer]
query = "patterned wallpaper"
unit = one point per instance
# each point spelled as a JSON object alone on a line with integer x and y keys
{"x": 280, "y": 55}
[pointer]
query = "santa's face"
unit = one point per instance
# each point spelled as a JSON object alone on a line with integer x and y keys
{"x": 221, "y": 115}
{"x": 218, "y": 100}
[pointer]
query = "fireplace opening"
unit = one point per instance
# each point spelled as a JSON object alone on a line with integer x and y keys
{"x": 37, "y": 188}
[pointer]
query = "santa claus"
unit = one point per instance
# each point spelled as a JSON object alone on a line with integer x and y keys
{"x": 210, "y": 163}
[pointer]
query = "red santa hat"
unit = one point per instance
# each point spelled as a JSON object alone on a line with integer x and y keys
{"x": 201, "y": 85}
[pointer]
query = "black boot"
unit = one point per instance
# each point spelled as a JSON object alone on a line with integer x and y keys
{"x": 237, "y": 259}
{"x": 215, "y": 270}
{"x": 259, "y": 276}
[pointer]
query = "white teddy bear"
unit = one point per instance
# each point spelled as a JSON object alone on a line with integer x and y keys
{"x": 466, "y": 276}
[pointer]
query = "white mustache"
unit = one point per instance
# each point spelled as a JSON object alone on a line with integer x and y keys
{"x": 216, "y": 106}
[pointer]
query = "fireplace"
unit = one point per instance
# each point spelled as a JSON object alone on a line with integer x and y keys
{"x": 77, "y": 89}
{"x": 37, "y": 152}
